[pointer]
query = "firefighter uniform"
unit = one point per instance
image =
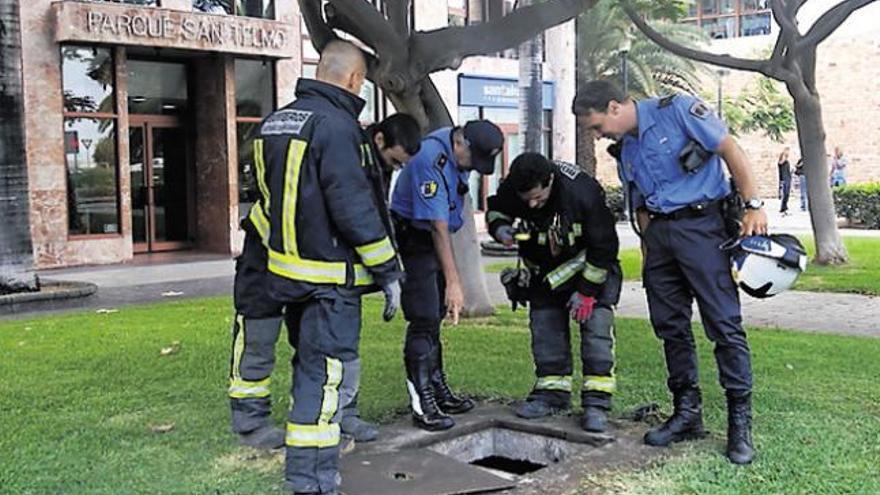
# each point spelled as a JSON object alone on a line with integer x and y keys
{"x": 258, "y": 318}
{"x": 571, "y": 246}
{"x": 325, "y": 246}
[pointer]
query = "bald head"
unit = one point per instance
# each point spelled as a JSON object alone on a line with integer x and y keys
{"x": 342, "y": 64}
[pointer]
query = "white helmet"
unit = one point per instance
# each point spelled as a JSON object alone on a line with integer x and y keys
{"x": 765, "y": 265}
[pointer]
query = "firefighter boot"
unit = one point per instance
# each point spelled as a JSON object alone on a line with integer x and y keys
{"x": 425, "y": 411}
{"x": 265, "y": 437}
{"x": 595, "y": 419}
{"x": 448, "y": 401}
{"x": 686, "y": 422}
{"x": 739, "y": 427}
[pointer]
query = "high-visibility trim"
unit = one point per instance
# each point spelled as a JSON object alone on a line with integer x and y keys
{"x": 237, "y": 348}
{"x": 564, "y": 272}
{"x": 330, "y": 399}
{"x": 244, "y": 389}
{"x": 376, "y": 253}
{"x": 554, "y": 382}
{"x": 260, "y": 165}
{"x": 594, "y": 274}
{"x": 258, "y": 218}
{"x": 606, "y": 384}
{"x": 295, "y": 153}
{"x": 315, "y": 271}
{"x": 577, "y": 229}
{"x": 497, "y": 215}
{"x": 320, "y": 435}
{"x": 542, "y": 239}
{"x": 361, "y": 276}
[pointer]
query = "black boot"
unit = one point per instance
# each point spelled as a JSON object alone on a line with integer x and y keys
{"x": 448, "y": 401}
{"x": 425, "y": 411}
{"x": 739, "y": 428}
{"x": 686, "y": 422}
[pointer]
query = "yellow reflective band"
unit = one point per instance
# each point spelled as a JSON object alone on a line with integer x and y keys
{"x": 377, "y": 252}
{"x": 296, "y": 268}
{"x": 542, "y": 238}
{"x": 577, "y": 229}
{"x": 497, "y": 215}
{"x": 295, "y": 153}
{"x": 321, "y": 435}
{"x": 564, "y": 272}
{"x": 260, "y": 222}
{"x": 594, "y": 274}
{"x": 361, "y": 276}
{"x": 600, "y": 384}
{"x": 330, "y": 400}
{"x": 243, "y": 389}
{"x": 238, "y": 347}
{"x": 554, "y": 382}
{"x": 260, "y": 165}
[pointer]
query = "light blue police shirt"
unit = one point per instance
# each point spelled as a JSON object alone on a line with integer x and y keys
{"x": 427, "y": 188}
{"x": 650, "y": 161}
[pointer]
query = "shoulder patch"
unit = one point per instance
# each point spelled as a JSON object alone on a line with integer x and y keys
{"x": 441, "y": 161}
{"x": 285, "y": 122}
{"x": 428, "y": 189}
{"x": 700, "y": 110}
{"x": 665, "y": 101}
{"x": 568, "y": 169}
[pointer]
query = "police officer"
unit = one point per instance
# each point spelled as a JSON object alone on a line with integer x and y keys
{"x": 670, "y": 164}
{"x": 326, "y": 245}
{"x": 388, "y": 145}
{"x": 427, "y": 205}
{"x": 569, "y": 246}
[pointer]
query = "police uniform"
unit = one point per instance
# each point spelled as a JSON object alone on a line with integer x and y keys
{"x": 324, "y": 245}
{"x": 684, "y": 260}
{"x": 572, "y": 246}
{"x": 432, "y": 187}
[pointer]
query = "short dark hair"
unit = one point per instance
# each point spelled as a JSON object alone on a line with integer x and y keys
{"x": 528, "y": 171}
{"x": 595, "y": 96}
{"x": 401, "y": 129}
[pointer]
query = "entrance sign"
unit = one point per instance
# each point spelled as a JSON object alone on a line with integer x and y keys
{"x": 155, "y": 27}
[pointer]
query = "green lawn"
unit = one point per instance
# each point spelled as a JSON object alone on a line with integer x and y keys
{"x": 82, "y": 393}
{"x": 861, "y": 275}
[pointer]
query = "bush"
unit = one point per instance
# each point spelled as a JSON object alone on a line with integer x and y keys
{"x": 859, "y": 203}
{"x": 615, "y": 202}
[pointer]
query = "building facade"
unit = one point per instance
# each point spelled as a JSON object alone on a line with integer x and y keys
{"x": 139, "y": 114}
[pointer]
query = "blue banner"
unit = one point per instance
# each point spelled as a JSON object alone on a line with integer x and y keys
{"x": 498, "y": 92}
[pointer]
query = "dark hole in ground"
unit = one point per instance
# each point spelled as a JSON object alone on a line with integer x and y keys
{"x": 513, "y": 466}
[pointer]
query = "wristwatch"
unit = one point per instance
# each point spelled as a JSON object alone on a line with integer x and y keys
{"x": 754, "y": 204}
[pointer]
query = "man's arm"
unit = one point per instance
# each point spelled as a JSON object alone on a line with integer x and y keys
{"x": 454, "y": 296}
{"x": 600, "y": 239}
{"x": 754, "y": 221}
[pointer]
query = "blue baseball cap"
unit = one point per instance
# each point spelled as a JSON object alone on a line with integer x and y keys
{"x": 486, "y": 141}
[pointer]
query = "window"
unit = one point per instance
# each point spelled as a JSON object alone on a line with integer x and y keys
{"x": 722, "y": 19}
{"x": 90, "y": 140}
{"x": 254, "y": 100}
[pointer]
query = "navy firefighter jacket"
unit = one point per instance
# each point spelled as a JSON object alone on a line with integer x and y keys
{"x": 572, "y": 242}
{"x": 316, "y": 206}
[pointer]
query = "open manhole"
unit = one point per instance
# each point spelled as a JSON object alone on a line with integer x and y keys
{"x": 506, "y": 452}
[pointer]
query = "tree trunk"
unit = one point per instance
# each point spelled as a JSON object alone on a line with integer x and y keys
{"x": 585, "y": 150}
{"x": 16, "y": 251}
{"x": 811, "y": 137}
{"x": 531, "y": 101}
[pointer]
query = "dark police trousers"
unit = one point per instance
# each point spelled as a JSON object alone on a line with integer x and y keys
{"x": 324, "y": 332}
{"x": 684, "y": 262}
{"x": 422, "y": 298}
{"x": 549, "y": 322}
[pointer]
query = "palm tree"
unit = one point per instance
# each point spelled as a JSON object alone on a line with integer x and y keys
{"x": 651, "y": 70}
{"x": 16, "y": 255}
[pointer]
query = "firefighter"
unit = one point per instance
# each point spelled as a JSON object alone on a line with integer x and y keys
{"x": 567, "y": 241}
{"x": 325, "y": 246}
{"x": 427, "y": 205}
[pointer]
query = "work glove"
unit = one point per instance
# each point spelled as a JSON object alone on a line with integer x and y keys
{"x": 392, "y": 300}
{"x": 581, "y": 306}
{"x": 504, "y": 235}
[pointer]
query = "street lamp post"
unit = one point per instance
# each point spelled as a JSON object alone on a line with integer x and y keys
{"x": 721, "y": 73}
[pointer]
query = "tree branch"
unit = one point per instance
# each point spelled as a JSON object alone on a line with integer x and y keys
{"x": 367, "y": 24}
{"x": 752, "y": 65}
{"x": 445, "y": 48}
{"x": 831, "y": 20}
{"x": 319, "y": 32}
{"x": 398, "y": 14}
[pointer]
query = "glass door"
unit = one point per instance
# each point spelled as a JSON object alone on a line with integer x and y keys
{"x": 159, "y": 184}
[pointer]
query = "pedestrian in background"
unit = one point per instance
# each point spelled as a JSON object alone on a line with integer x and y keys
{"x": 838, "y": 168}
{"x": 802, "y": 183}
{"x": 784, "y": 167}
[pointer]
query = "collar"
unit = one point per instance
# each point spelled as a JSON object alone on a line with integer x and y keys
{"x": 645, "y": 115}
{"x": 443, "y": 136}
{"x": 338, "y": 97}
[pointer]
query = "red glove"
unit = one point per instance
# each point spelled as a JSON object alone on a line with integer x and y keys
{"x": 581, "y": 306}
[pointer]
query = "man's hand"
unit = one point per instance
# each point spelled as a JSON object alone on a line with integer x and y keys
{"x": 392, "y": 300}
{"x": 581, "y": 306}
{"x": 454, "y": 302}
{"x": 504, "y": 235}
{"x": 754, "y": 222}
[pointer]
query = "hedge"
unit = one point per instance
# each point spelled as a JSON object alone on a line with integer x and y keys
{"x": 859, "y": 203}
